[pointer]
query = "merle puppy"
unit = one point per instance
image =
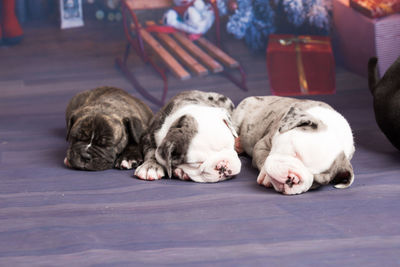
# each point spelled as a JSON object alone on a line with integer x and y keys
{"x": 104, "y": 127}
{"x": 295, "y": 144}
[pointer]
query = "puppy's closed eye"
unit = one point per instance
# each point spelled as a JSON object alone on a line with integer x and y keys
{"x": 81, "y": 136}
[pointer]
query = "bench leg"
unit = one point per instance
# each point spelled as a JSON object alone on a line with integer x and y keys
{"x": 123, "y": 67}
{"x": 239, "y": 83}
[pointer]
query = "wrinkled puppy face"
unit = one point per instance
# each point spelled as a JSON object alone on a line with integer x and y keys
{"x": 209, "y": 167}
{"x": 287, "y": 174}
{"x": 95, "y": 142}
{"x": 309, "y": 153}
{"x": 200, "y": 147}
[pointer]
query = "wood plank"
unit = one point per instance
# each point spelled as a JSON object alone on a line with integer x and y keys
{"x": 186, "y": 59}
{"x": 165, "y": 56}
{"x": 216, "y": 52}
{"x": 207, "y": 60}
{"x": 148, "y": 4}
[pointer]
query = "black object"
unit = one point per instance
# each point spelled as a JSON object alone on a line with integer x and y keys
{"x": 386, "y": 93}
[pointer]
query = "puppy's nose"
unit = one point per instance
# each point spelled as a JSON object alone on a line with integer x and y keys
{"x": 223, "y": 168}
{"x": 66, "y": 163}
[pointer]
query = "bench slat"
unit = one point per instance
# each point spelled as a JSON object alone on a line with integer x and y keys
{"x": 198, "y": 53}
{"x": 216, "y": 52}
{"x": 165, "y": 56}
{"x": 190, "y": 62}
{"x": 148, "y": 4}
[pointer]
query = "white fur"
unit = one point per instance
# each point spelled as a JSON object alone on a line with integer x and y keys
{"x": 197, "y": 19}
{"x": 276, "y": 170}
{"x": 212, "y": 144}
{"x": 147, "y": 171}
{"x": 306, "y": 153}
{"x": 90, "y": 144}
{"x": 127, "y": 164}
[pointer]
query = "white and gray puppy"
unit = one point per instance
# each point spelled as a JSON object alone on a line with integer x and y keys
{"x": 295, "y": 144}
{"x": 192, "y": 138}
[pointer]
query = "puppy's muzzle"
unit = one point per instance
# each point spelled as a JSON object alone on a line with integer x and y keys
{"x": 219, "y": 167}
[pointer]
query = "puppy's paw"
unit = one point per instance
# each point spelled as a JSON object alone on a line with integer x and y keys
{"x": 125, "y": 164}
{"x": 264, "y": 179}
{"x": 178, "y": 172}
{"x": 150, "y": 170}
{"x": 130, "y": 158}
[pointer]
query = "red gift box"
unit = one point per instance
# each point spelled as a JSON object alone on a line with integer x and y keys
{"x": 376, "y": 8}
{"x": 357, "y": 38}
{"x": 300, "y": 65}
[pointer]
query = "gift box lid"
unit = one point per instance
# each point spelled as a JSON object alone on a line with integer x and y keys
{"x": 307, "y": 42}
{"x": 376, "y": 8}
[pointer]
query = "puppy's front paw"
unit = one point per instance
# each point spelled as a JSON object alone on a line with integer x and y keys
{"x": 130, "y": 158}
{"x": 150, "y": 170}
{"x": 263, "y": 179}
{"x": 178, "y": 172}
{"x": 125, "y": 164}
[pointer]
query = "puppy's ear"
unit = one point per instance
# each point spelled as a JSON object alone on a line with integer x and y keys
{"x": 173, "y": 148}
{"x": 228, "y": 121}
{"x": 340, "y": 174}
{"x": 168, "y": 151}
{"x": 175, "y": 144}
{"x": 344, "y": 175}
{"x": 134, "y": 128}
{"x": 70, "y": 123}
{"x": 297, "y": 118}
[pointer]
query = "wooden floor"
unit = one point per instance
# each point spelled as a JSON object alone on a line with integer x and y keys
{"x": 54, "y": 216}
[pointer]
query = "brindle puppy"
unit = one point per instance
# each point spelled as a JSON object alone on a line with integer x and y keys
{"x": 295, "y": 144}
{"x": 104, "y": 127}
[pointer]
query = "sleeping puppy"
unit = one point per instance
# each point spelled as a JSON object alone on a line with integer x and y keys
{"x": 104, "y": 127}
{"x": 386, "y": 93}
{"x": 295, "y": 144}
{"x": 192, "y": 138}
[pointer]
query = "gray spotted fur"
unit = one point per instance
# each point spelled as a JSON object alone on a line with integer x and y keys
{"x": 175, "y": 144}
{"x": 258, "y": 119}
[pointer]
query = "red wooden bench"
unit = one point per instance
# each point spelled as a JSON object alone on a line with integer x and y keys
{"x": 175, "y": 50}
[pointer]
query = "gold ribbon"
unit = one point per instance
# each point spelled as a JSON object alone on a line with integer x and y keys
{"x": 299, "y": 61}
